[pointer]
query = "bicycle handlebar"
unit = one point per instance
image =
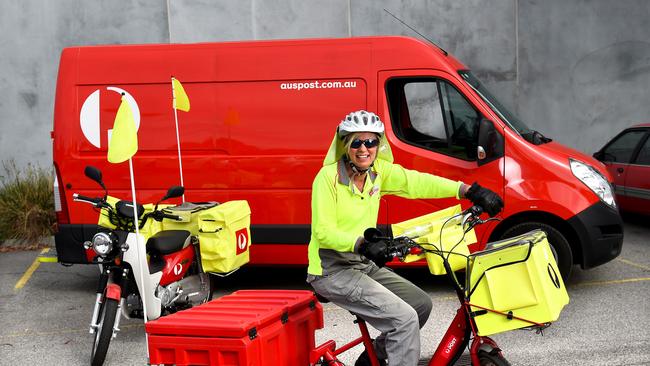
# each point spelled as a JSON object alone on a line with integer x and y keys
{"x": 401, "y": 246}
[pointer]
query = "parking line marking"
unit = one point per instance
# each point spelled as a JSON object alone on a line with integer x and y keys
{"x": 35, "y": 332}
{"x": 612, "y": 282}
{"x": 30, "y": 271}
{"x": 633, "y": 264}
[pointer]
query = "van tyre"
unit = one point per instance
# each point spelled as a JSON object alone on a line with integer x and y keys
{"x": 559, "y": 244}
{"x": 104, "y": 333}
{"x": 491, "y": 359}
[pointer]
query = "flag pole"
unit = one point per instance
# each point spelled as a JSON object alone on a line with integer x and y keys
{"x": 136, "y": 222}
{"x": 178, "y": 140}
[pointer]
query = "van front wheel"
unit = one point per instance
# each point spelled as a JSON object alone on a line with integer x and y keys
{"x": 559, "y": 244}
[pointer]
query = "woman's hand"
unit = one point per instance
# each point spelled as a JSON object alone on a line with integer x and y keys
{"x": 487, "y": 199}
{"x": 376, "y": 252}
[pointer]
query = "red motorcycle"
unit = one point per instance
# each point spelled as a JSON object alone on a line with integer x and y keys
{"x": 139, "y": 277}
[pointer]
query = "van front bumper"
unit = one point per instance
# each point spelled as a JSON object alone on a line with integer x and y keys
{"x": 600, "y": 230}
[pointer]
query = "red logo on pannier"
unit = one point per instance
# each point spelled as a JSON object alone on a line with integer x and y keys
{"x": 242, "y": 240}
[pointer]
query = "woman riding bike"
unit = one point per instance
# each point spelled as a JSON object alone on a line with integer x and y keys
{"x": 347, "y": 270}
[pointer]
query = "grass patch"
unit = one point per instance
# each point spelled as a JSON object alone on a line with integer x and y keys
{"x": 26, "y": 205}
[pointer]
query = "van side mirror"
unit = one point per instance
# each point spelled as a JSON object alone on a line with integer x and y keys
{"x": 490, "y": 142}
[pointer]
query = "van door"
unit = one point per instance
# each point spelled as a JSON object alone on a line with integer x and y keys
{"x": 618, "y": 157}
{"x": 434, "y": 127}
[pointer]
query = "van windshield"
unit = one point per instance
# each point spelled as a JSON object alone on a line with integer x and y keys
{"x": 508, "y": 117}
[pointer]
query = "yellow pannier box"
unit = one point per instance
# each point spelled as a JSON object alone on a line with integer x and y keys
{"x": 189, "y": 213}
{"x": 224, "y": 236}
{"x": 425, "y": 230}
{"x": 515, "y": 284}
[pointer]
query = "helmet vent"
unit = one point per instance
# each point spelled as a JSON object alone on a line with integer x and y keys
{"x": 361, "y": 121}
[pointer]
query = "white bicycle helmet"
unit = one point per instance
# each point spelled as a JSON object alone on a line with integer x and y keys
{"x": 361, "y": 121}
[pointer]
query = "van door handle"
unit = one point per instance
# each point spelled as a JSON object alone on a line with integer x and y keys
{"x": 620, "y": 170}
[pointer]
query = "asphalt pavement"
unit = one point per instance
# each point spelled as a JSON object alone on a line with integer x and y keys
{"x": 45, "y": 310}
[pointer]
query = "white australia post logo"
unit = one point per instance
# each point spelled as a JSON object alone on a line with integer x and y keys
{"x": 89, "y": 115}
{"x": 178, "y": 269}
{"x": 241, "y": 236}
{"x": 242, "y": 241}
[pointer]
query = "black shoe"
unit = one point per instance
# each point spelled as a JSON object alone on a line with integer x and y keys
{"x": 364, "y": 360}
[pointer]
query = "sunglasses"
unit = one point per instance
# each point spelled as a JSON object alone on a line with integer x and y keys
{"x": 369, "y": 143}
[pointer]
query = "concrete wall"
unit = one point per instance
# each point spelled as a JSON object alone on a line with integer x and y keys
{"x": 578, "y": 71}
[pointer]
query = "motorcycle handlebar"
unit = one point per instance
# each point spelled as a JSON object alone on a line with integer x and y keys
{"x": 159, "y": 216}
{"x": 95, "y": 201}
{"x": 171, "y": 217}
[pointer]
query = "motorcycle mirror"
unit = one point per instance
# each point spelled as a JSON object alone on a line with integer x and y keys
{"x": 173, "y": 192}
{"x": 373, "y": 235}
{"x": 94, "y": 174}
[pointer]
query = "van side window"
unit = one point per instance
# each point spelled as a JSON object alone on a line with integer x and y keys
{"x": 432, "y": 114}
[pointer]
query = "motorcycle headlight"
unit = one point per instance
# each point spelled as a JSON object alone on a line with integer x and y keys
{"x": 102, "y": 243}
{"x": 594, "y": 180}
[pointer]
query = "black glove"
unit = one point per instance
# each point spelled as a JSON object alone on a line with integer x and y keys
{"x": 376, "y": 252}
{"x": 488, "y": 200}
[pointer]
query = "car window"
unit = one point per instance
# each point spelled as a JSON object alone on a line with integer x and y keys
{"x": 644, "y": 154}
{"x": 621, "y": 149}
{"x": 432, "y": 114}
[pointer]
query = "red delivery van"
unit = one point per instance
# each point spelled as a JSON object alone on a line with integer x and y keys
{"x": 263, "y": 114}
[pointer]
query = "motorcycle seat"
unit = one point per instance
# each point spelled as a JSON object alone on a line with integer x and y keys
{"x": 168, "y": 241}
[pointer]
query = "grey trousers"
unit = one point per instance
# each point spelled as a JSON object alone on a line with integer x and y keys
{"x": 388, "y": 302}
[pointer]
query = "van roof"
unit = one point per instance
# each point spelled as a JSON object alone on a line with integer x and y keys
{"x": 255, "y": 60}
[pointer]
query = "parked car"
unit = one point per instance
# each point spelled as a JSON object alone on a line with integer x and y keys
{"x": 627, "y": 158}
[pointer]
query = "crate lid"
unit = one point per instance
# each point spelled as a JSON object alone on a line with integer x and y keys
{"x": 292, "y": 299}
{"x": 240, "y": 314}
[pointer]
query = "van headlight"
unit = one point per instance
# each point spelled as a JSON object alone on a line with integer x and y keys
{"x": 594, "y": 180}
{"x": 102, "y": 243}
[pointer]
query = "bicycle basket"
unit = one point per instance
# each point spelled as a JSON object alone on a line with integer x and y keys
{"x": 515, "y": 284}
{"x": 427, "y": 228}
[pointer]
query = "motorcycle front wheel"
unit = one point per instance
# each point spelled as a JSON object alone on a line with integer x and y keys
{"x": 491, "y": 359}
{"x": 104, "y": 332}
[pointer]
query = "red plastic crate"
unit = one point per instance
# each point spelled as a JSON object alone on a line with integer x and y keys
{"x": 249, "y": 327}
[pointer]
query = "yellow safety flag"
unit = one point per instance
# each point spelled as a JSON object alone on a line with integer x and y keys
{"x": 181, "y": 101}
{"x": 124, "y": 138}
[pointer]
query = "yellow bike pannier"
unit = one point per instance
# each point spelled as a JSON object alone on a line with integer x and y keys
{"x": 515, "y": 283}
{"x": 224, "y": 236}
{"x": 189, "y": 213}
{"x": 426, "y": 231}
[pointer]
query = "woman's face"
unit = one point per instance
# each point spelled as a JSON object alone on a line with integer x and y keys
{"x": 364, "y": 156}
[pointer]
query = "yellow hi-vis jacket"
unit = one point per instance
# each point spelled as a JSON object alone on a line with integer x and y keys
{"x": 341, "y": 213}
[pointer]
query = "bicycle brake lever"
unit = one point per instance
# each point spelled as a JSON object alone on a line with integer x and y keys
{"x": 472, "y": 216}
